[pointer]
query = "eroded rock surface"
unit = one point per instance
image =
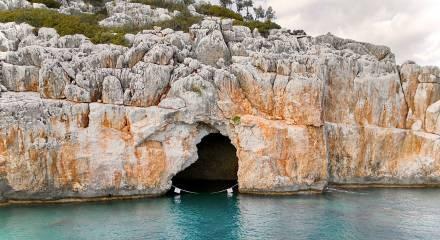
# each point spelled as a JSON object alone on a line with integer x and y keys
{"x": 123, "y": 13}
{"x": 84, "y": 120}
{"x": 382, "y": 156}
{"x": 14, "y": 4}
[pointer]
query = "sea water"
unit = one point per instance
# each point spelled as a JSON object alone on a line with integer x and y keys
{"x": 361, "y": 214}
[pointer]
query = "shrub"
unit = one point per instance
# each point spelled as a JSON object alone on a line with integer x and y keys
{"x": 48, "y": 3}
{"x": 236, "y": 120}
{"x": 263, "y": 27}
{"x": 96, "y": 3}
{"x": 64, "y": 24}
{"x": 86, "y": 24}
{"x": 218, "y": 11}
{"x": 197, "y": 89}
{"x": 179, "y": 23}
{"x": 188, "y": 2}
{"x": 109, "y": 37}
{"x": 170, "y": 5}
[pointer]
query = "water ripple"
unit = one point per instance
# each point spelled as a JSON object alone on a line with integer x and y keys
{"x": 374, "y": 214}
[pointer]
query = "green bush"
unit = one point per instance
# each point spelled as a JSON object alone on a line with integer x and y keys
{"x": 109, "y": 37}
{"x": 218, "y": 11}
{"x": 188, "y": 2}
{"x": 197, "y": 89}
{"x": 236, "y": 120}
{"x": 178, "y": 23}
{"x": 263, "y": 27}
{"x": 96, "y": 3}
{"x": 48, "y": 3}
{"x": 86, "y": 24}
{"x": 64, "y": 24}
{"x": 171, "y": 6}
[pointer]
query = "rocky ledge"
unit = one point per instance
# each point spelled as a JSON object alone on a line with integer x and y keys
{"x": 79, "y": 120}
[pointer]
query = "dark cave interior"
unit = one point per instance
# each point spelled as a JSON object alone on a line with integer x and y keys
{"x": 215, "y": 169}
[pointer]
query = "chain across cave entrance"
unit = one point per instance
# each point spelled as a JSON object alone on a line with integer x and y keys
{"x": 215, "y": 169}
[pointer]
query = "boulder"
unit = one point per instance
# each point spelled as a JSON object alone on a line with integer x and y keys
{"x": 3, "y": 88}
{"x": 11, "y": 34}
{"x": 14, "y": 4}
{"x": 20, "y": 78}
{"x": 160, "y": 54}
{"x": 432, "y": 122}
{"x": 52, "y": 80}
{"x": 211, "y": 48}
{"x": 421, "y": 87}
{"x": 75, "y": 93}
{"x": 153, "y": 82}
{"x": 112, "y": 92}
{"x": 241, "y": 33}
{"x": 426, "y": 94}
{"x": 122, "y": 13}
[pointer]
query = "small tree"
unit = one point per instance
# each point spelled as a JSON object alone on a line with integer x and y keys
{"x": 259, "y": 13}
{"x": 249, "y": 17}
{"x": 248, "y": 4}
{"x": 270, "y": 14}
{"x": 240, "y": 5}
{"x": 225, "y": 3}
{"x": 188, "y": 2}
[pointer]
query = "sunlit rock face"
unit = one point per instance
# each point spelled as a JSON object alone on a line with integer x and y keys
{"x": 279, "y": 157}
{"x": 372, "y": 155}
{"x": 421, "y": 86}
{"x": 79, "y": 120}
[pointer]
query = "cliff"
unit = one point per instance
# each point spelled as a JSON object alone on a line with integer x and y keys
{"x": 79, "y": 120}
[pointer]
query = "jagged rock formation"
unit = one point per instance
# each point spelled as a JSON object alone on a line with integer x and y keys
{"x": 84, "y": 120}
{"x": 67, "y": 6}
{"x": 77, "y": 6}
{"x": 16, "y": 4}
{"x": 122, "y": 13}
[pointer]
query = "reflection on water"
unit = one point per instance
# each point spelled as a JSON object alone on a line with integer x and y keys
{"x": 377, "y": 214}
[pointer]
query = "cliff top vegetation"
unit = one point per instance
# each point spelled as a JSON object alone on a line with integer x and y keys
{"x": 88, "y": 24}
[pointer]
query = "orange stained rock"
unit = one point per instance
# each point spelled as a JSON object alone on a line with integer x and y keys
{"x": 149, "y": 167}
{"x": 69, "y": 168}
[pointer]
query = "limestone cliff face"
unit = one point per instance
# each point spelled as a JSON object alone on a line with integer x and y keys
{"x": 82, "y": 120}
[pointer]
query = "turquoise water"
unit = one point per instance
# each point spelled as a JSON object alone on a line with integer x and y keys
{"x": 367, "y": 214}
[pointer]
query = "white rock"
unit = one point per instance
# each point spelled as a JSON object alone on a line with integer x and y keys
{"x": 52, "y": 80}
{"x": 301, "y": 111}
{"x": 123, "y": 13}
{"x": 112, "y": 91}
{"x": 19, "y": 78}
{"x": 172, "y": 103}
{"x": 211, "y": 48}
{"x": 14, "y": 4}
{"x": 432, "y": 121}
{"x": 38, "y": 5}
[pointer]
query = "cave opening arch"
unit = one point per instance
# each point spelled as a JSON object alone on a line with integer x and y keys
{"x": 215, "y": 169}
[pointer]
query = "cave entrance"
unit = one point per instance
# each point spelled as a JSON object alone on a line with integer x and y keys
{"x": 215, "y": 169}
